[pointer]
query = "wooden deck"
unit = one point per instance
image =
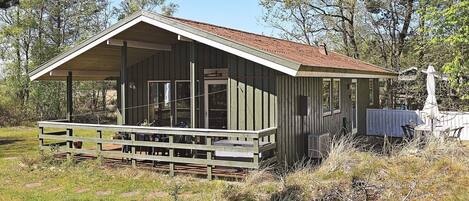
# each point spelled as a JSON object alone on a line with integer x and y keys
{"x": 164, "y": 167}
{"x": 196, "y": 155}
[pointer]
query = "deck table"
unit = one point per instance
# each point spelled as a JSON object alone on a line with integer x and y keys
{"x": 438, "y": 130}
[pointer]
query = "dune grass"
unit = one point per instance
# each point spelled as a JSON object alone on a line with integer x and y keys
{"x": 434, "y": 171}
{"x": 413, "y": 171}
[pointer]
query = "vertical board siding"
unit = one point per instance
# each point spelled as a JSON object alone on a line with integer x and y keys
{"x": 388, "y": 122}
{"x": 252, "y": 95}
{"x": 292, "y": 128}
{"x": 258, "y": 103}
{"x": 233, "y": 93}
{"x": 252, "y": 103}
{"x": 259, "y": 97}
{"x": 363, "y": 102}
{"x": 168, "y": 66}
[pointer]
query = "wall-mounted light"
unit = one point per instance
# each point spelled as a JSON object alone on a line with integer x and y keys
{"x": 132, "y": 85}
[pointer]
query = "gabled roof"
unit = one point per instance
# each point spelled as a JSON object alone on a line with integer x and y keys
{"x": 289, "y": 57}
{"x": 305, "y": 55}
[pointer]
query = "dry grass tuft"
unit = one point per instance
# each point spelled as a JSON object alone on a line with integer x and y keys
{"x": 416, "y": 170}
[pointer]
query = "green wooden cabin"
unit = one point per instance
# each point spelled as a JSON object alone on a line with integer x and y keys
{"x": 176, "y": 72}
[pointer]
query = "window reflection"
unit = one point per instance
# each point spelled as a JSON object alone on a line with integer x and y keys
{"x": 160, "y": 103}
{"x": 183, "y": 104}
{"x": 336, "y": 95}
{"x": 326, "y": 95}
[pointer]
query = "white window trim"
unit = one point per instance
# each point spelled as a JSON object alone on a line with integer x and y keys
{"x": 149, "y": 98}
{"x": 206, "y": 94}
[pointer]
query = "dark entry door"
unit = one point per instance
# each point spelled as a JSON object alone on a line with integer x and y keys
{"x": 216, "y": 107}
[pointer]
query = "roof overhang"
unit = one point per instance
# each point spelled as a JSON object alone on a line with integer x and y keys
{"x": 185, "y": 31}
{"x": 309, "y": 71}
{"x": 180, "y": 29}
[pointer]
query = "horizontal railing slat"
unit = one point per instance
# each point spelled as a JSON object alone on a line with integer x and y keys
{"x": 151, "y": 144}
{"x": 253, "y": 136}
{"x": 161, "y": 130}
{"x": 268, "y": 147}
{"x": 57, "y": 133}
{"x": 267, "y": 132}
{"x": 183, "y": 160}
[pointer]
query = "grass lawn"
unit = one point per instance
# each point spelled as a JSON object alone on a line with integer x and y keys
{"x": 23, "y": 178}
{"x": 435, "y": 171}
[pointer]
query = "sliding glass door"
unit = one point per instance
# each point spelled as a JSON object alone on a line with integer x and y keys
{"x": 162, "y": 112}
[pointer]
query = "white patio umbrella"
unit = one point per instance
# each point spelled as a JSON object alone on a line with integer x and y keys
{"x": 430, "y": 109}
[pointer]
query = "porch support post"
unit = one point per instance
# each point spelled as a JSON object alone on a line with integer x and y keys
{"x": 69, "y": 97}
{"x": 118, "y": 101}
{"x": 192, "y": 82}
{"x": 123, "y": 80}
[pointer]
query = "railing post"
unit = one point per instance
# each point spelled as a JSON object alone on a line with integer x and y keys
{"x": 255, "y": 144}
{"x": 209, "y": 158}
{"x": 99, "y": 145}
{"x": 69, "y": 143}
{"x": 41, "y": 140}
{"x": 171, "y": 156}
{"x": 133, "y": 148}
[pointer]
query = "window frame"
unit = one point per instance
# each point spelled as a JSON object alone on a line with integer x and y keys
{"x": 150, "y": 111}
{"x": 329, "y": 111}
{"x": 354, "y": 114}
{"x": 339, "y": 94}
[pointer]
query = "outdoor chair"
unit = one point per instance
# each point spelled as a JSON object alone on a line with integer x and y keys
{"x": 455, "y": 134}
{"x": 143, "y": 137}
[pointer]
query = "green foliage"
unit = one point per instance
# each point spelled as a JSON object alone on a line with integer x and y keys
{"x": 127, "y": 7}
{"x": 35, "y": 31}
{"x": 449, "y": 24}
{"x": 390, "y": 33}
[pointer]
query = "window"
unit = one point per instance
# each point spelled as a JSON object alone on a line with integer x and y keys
{"x": 160, "y": 103}
{"x": 371, "y": 94}
{"x": 330, "y": 96}
{"x": 183, "y": 103}
{"x": 326, "y": 96}
{"x": 353, "y": 88}
{"x": 336, "y": 95}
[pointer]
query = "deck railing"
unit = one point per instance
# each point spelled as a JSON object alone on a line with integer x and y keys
{"x": 261, "y": 144}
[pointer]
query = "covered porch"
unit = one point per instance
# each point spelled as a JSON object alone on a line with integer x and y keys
{"x": 172, "y": 104}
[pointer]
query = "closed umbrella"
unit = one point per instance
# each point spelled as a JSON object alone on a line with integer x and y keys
{"x": 430, "y": 109}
